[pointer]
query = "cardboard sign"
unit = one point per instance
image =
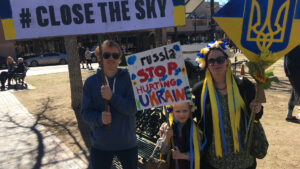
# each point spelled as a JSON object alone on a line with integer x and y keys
{"x": 159, "y": 77}
{"x": 256, "y": 26}
{"x": 41, "y": 18}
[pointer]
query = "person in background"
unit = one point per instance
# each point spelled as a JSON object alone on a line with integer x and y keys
{"x": 11, "y": 66}
{"x": 21, "y": 66}
{"x": 88, "y": 57}
{"x": 113, "y": 132}
{"x": 81, "y": 53}
{"x": 292, "y": 71}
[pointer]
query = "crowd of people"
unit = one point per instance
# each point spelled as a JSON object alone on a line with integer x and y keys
{"x": 85, "y": 56}
{"x": 13, "y": 68}
{"x": 209, "y": 131}
{"x": 223, "y": 106}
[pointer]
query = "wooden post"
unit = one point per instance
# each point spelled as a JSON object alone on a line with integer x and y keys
{"x": 104, "y": 82}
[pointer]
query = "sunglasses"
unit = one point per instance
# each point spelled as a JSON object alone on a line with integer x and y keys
{"x": 106, "y": 55}
{"x": 219, "y": 60}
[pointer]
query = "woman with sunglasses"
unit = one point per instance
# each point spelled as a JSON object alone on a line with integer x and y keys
{"x": 224, "y": 103}
{"x": 119, "y": 139}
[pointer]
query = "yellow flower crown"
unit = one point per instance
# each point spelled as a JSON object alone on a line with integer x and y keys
{"x": 202, "y": 54}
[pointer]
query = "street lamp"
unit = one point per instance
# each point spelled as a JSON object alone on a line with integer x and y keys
{"x": 194, "y": 16}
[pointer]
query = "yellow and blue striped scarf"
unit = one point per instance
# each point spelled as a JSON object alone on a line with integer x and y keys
{"x": 194, "y": 143}
{"x": 235, "y": 104}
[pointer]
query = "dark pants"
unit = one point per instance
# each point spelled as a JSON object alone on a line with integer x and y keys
{"x": 103, "y": 159}
{"x": 89, "y": 61}
{"x": 294, "y": 100}
{"x": 4, "y": 76}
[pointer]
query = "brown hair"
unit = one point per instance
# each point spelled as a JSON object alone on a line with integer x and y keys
{"x": 213, "y": 49}
{"x": 108, "y": 43}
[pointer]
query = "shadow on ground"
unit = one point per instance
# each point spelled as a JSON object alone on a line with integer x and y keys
{"x": 32, "y": 146}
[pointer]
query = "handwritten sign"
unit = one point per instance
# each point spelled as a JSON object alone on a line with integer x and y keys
{"x": 40, "y": 18}
{"x": 159, "y": 77}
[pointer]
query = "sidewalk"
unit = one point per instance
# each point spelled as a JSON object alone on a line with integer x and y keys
{"x": 25, "y": 144}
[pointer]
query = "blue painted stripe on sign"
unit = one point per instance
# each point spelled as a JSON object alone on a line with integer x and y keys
{"x": 178, "y": 2}
{"x": 234, "y": 8}
{"x": 5, "y": 9}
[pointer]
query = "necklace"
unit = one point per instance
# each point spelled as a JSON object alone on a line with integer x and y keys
{"x": 222, "y": 88}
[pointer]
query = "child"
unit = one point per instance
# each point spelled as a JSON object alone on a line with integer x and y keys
{"x": 186, "y": 137}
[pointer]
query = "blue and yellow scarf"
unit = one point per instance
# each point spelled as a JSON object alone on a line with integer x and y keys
{"x": 235, "y": 104}
{"x": 194, "y": 142}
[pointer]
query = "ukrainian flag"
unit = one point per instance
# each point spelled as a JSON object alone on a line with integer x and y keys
{"x": 232, "y": 19}
{"x": 7, "y": 20}
{"x": 179, "y": 12}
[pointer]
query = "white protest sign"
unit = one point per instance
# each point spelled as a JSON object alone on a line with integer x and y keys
{"x": 159, "y": 77}
{"x": 41, "y": 18}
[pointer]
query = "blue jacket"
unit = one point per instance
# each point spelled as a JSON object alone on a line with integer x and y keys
{"x": 122, "y": 107}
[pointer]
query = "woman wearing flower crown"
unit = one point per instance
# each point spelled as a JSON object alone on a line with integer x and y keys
{"x": 224, "y": 103}
{"x": 186, "y": 137}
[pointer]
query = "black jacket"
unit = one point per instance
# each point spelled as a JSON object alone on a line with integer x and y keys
{"x": 247, "y": 90}
{"x": 20, "y": 68}
{"x": 291, "y": 68}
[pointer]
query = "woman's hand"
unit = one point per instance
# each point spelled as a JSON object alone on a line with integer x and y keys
{"x": 255, "y": 107}
{"x": 177, "y": 155}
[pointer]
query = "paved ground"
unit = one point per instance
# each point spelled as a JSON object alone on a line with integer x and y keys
{"x": 25, "y": 144}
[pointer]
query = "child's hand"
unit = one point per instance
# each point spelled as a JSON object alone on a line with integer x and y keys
{"x": 177, "y": 155}
{"x": 161, "y": 129}
{"x": 169, "y": 133}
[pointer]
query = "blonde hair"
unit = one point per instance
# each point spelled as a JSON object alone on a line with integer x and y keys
{"x": 9, "y": 59}
{"x": 191, "y": 104}
{"x": 108, "y": 43}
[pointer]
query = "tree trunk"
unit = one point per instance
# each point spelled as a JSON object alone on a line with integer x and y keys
{"x": 76, "y": 86}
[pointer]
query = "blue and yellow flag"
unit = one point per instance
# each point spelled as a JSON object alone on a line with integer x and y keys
{"x": 6, "y": 19}
{"x": 256, "y": 26}
{"x": 179, "y": 12}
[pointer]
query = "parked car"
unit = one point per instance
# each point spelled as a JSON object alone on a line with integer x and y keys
{"x": 3, "y": 62}
{"x": 47, "y": 59}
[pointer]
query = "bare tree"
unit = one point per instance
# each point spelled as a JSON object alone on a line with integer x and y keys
{"x": 76, "y": 85}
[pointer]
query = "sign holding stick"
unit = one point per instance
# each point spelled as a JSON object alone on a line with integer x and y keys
{"x": 159, "y": 77}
